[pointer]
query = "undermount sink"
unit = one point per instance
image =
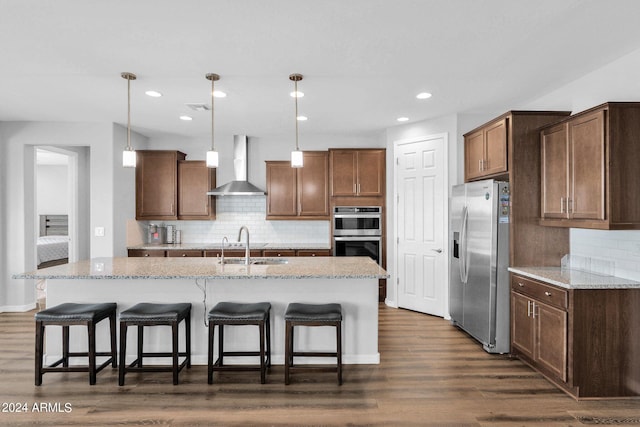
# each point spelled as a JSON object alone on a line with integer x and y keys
{"x": 255, "y": 261}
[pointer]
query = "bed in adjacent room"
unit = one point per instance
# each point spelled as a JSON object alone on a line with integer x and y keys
{"x": 53, "y": 241}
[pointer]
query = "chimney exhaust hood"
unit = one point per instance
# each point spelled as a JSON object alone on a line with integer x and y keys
{"x": 240, "y": 186}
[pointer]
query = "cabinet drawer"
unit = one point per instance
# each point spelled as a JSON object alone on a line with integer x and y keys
{"x": 544, "y": 293}
{"x": 276, "y": 253}
{"x": 145, "y": 253}
{"x": 314, "y": 252}
{"x": 235, "y": 253}
{"x": 186, "y": 253}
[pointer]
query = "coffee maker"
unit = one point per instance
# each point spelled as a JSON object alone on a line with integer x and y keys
{"x": 156, "y": 234}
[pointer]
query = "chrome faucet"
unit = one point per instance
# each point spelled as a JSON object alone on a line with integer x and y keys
{"x": 224, "y": 239}
{"x": 246, "y": 249}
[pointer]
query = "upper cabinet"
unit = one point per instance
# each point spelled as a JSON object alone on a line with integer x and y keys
{"x": 194, "y": 180}
{"x": 157, "y": 184}
{"x": 170, "y": 188}
{"x": 485, "y": 151}
{"x": 299, "y": 193}
{"x": 589, "y": 174}
{"x": 357, "y": 172}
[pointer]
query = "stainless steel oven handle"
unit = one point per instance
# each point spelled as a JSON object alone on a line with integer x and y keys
{"x": 358, "y": 215}
{"x": 357, "y": 238}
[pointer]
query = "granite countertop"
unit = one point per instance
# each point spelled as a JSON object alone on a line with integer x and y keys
{"x": 232, "y": 245}
{"x": 574, "y": 279}
{"x": 209, "y": 268}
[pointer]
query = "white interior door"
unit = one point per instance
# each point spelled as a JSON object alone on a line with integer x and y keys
{"x": 421, "y": 225}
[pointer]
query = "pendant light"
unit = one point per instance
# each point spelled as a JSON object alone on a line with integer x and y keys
{"x": 296, "y": 156}
{"x": 128, "y": 155}
{"x": 212, "y": 155}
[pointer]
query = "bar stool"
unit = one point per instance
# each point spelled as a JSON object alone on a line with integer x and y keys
{"x": 69, "y": 314}
{"x": 230, "y": 313}
{"x": 148, "y": 314}
{"x": 298, "y": 314}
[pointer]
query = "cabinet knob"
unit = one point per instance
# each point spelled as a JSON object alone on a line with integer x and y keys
{"x": 520, "y": 284}
{"x": 184, "y": 254}
{"x": 547, "y": 293}
{"x": 313, "y": 254}
{"x": 146, "y": 254}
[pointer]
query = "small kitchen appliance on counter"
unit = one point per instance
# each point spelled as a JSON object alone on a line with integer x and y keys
{"x": 156, "y": 234}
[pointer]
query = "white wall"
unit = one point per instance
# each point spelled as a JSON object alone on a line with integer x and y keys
{"x": 617, "y": 81}
{"x": 52, "y": 190}
{"x": 18, "y": 140}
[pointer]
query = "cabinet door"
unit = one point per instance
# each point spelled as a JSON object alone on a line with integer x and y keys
{"x": 313, "y": 184}
{"x": 555, "y": 183}
{"x": 281, "y": 189}
{"x": 156, "y": 184}
{"x": 194, "y": 180}
{"x": 343, "y": 173}
{"x": 522, "y": 335}
{"x": 370, "y": 173}
{"x": 587, "y": 159}
{"x": 551, "y": 339}
{"x": 495, "y": 145}
{"x": 473, "y": 155}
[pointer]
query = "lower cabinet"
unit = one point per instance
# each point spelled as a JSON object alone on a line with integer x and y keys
{"x": 184, "y": 253}
{"x": 582, "y": 340}
{"x": 278, "y": 252}
{"x": 145, "y": 252}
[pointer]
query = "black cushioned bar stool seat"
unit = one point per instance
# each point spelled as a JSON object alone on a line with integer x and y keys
{"x": 231, "y": 313}
{"x": 298, "y": 314}
{"x": 69, "y": 314}
{"x": 149, "y": 314}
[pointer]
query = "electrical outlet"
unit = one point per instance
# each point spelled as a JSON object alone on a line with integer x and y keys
{"x": 99, "y": 232}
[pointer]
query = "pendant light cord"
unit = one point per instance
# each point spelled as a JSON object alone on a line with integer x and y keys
{"x": 128, "y": 114}
{"x": 297, "y": 94}
{"x": 212, "y": 138}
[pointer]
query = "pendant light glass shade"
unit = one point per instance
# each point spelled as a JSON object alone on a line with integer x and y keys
{"x": 212, "y": 155}
{"x": 129, "y": 159}
{"x": 128, "y": 155}
{"x": 297, "y": 157}
{"x": 212, "y": 159}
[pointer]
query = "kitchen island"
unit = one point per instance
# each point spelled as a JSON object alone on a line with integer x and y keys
{"x": 350, "y": 281}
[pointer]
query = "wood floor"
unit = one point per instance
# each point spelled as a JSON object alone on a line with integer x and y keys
{"x": 430, "y": 374}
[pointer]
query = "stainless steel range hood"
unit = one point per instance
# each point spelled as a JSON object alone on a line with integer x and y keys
{"x": 240, "y": 186}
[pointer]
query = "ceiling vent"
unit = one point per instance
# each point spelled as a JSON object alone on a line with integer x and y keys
{"x": 199, "y": 107}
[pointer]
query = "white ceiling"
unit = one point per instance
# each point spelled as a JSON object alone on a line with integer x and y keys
{"x": 363, "y": 61}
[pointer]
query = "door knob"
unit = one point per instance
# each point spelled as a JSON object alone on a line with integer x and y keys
{"x": 437, "y": 250}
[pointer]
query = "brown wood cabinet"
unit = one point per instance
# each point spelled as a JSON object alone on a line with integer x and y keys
{"x": 589, "y": 169}
{"x": 145, "y": 252}
{"x": 214, "y": 253}
{"x": 358, "y": 173}
{"x": 157, "y": 184}
{"x": 485, "y": 151}
{"x": 194, "y": 180}
{"x": 184, "y": 253}
{"x": 278, "y": 252}
{"x": 583, "y": 340}
{"x": 299, "y": 193}
{"x": 314, "y": 252}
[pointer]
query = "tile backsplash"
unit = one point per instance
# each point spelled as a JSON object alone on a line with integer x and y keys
{"x": 620, "y": 247}
{"x": 235, "y": 211}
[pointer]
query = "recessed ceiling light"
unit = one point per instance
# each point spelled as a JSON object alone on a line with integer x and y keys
{"x": 423, "y": 95}
{"x": 403, "y": 119}
{"x": 297, "y": 94}
{"x": 302, "y": 118}
{"x": 186, "y": 118}
{"x": 219, "y": 94}
{"x": 153, "y": 93}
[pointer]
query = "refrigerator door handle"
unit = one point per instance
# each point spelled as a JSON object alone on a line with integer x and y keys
{"x": 464, "y": 272}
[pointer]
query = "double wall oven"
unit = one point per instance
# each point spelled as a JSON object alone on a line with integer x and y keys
{"x": 357, "y": 231}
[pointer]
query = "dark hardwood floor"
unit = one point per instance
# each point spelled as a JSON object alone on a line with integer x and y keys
{"x": 430, "y": 374}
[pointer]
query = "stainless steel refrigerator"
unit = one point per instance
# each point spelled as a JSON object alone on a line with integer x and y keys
{"x": 478, "y": 279}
